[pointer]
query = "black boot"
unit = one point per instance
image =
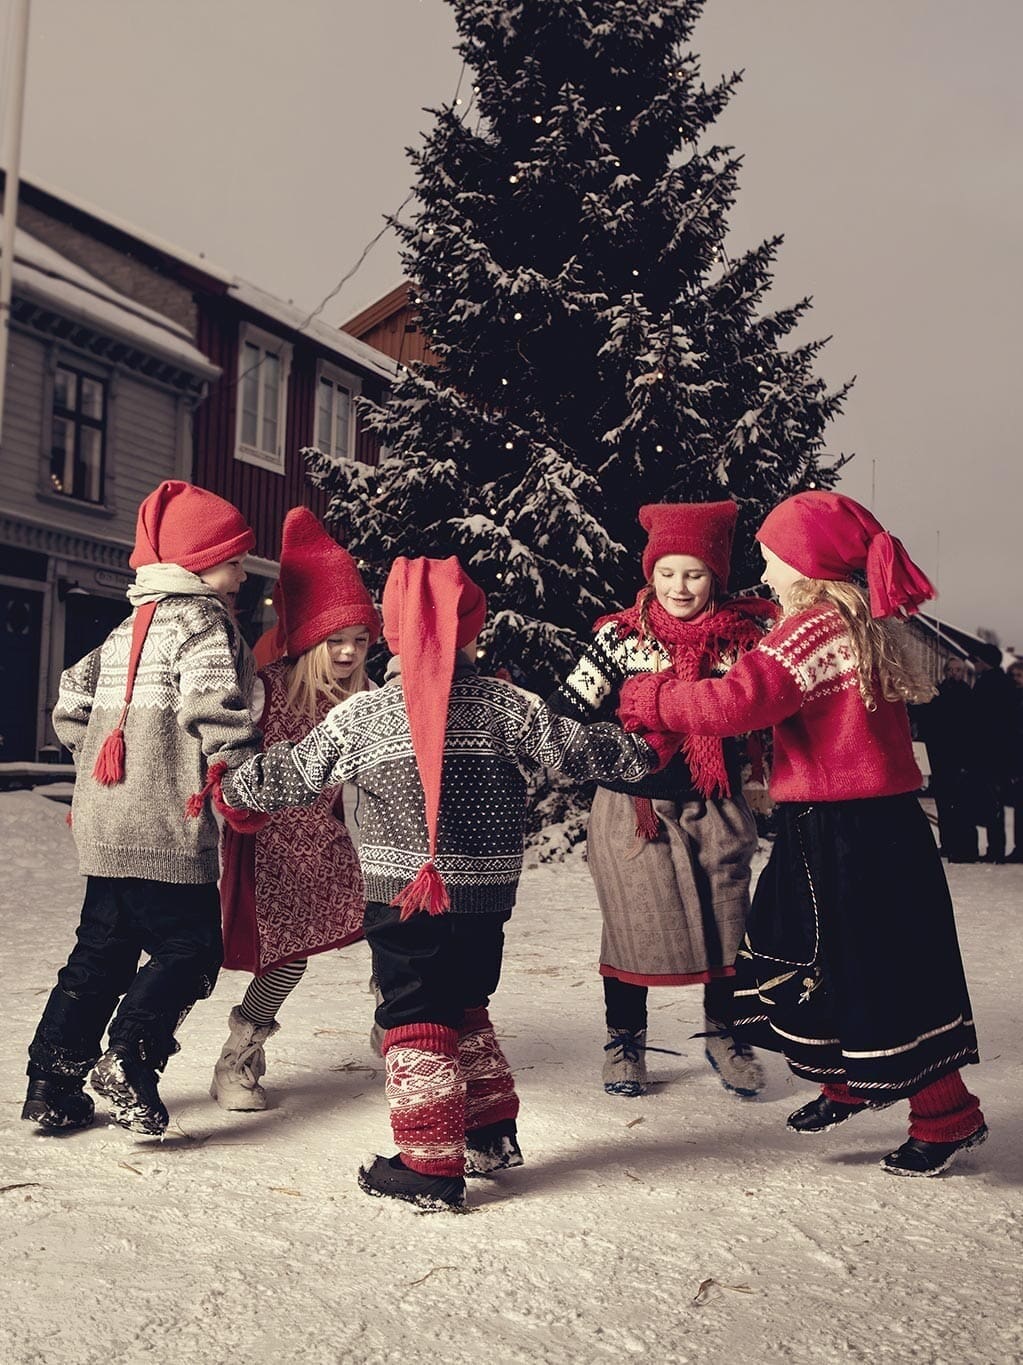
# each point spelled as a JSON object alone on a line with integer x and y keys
{"x": 494, "y": 1147}
{"x": 391, "y": 1178}
{"x": 821, "y": 1114}
{"x": 125, "y": 1078}
{"x": 58, "y": 1102}
{"x": 917, "y": 1157}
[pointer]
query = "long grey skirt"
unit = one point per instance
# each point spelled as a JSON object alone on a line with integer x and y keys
{"x": 674, "y": 908}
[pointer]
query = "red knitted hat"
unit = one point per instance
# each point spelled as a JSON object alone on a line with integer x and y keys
{"x": 320, "y": 590}
{"x": 830, "y": 536}
{"x": 701, "y": 529}
{"x": 431, "y": 609}
{"x": 182, "y": 524}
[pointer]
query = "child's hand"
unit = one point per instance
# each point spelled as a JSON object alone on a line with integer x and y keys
{"x": 637, "y": 708}
{"x": 664, "y": 745}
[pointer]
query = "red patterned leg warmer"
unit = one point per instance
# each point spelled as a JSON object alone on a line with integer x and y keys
{"x": 489, "y": 1089}
{"x": 944, "y": 1111}
{"x": 425, "y": 1091}
{"x": 838, "y": 1093}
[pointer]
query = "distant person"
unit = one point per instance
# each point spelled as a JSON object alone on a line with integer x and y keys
{"x": 162, "y": 704}
{"x": 1014, "y": 796}
{"x": 993, "y": 720}
{"x": 851, "y": 964}
{"x": 946, "y": 725}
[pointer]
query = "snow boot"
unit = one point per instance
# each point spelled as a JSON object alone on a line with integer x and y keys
{"x": 738, "y": 1070}
{"x": 624, "y": 1070}
{"x": 916, "y": 1157}
{"x": 821, "y": 1114}
{"x": 491, "y": 1148}
{"x": 56, "y": 1102}
{"x": 376, "y": 1033}
{"x": 240, "y": 1065}
{"x": 124, "y": 1077}
{"x": 390, "y": 1178}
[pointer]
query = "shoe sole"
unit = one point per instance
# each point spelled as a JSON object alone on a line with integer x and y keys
{"x": 631, "y": 1090}
{"x": 420, "y": 1202}
{"x": 38, "y": 1112}
{"x": 742, "y": 1091}
{"x": 236, "y": 1108}
{"x": 974, "y": 1140}
{"x": 127, "y": 1112}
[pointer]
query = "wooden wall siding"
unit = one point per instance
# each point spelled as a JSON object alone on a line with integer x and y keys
{"x": 142, "y": 434}
{"x": 391, "y": 337}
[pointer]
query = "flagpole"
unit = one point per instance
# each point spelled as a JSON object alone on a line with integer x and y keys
{"x": 12, "y": 181}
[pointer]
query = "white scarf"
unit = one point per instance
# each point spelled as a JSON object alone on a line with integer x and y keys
{"x": 153, "y": 582}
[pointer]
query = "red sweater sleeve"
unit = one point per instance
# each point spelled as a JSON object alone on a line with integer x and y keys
{"x": 757, "y": 691}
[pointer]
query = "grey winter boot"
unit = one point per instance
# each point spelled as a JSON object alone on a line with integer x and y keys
{"x": 737, "y": 1067}
{"x": 241, "y": 1064}
{"x": 625, "y": 1063}
{"x": 376, "y": 1033}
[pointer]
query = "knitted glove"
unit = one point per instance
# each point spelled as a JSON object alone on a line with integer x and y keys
{"x": 241, "y": 821}
{"x": 637, "y": 708}
{"x": 664, "y": 745}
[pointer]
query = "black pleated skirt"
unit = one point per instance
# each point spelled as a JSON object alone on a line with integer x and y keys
{"x": 851, "y": 964}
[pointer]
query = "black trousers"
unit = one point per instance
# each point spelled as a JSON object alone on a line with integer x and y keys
{"x": 431, "y": 968}
{"x": 625, "y": 1003}
{"x": 122, "y": 918}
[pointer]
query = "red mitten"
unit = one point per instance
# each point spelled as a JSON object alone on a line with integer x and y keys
{"x": 664, "y": 745}
{"x": 637, "y": 707}
{"x": 241, "y": 821}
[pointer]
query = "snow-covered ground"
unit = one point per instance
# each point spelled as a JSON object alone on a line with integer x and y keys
{"x": 686, "y": 1226}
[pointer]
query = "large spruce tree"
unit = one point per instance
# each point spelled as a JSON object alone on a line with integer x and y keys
{"x": 597, "y": 348}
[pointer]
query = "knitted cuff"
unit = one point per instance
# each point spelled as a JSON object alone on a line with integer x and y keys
{"x": 637, "y": 708}
{"x": 665, "y": 746}
{"x": 241, "y": 821}
{"x": 425, "y": 1037}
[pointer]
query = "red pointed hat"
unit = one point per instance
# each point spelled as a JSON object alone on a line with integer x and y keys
{"x": 701, "y": 529}
{"x": 182, "y": 524}
{"x": 320, "y": 589}
{"x": 431, "y": 609}
{"x": 830, "y": 536}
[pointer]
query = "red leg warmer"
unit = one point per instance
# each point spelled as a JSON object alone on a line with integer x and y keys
{"x": 944, "y": 1111}
{"x": 490, "y": 1091}
{"x": 425, "y": 1091}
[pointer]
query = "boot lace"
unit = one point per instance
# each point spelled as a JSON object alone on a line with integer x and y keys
{"x": 631, "y": 1047}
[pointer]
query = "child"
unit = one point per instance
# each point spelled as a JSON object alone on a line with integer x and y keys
{"x": 851, "y": 965}
{"x": 146, "y": 716}
{"x": 437, "y": 753}
{"x": 295, "y": 888}
{"x": 670, "y": 855}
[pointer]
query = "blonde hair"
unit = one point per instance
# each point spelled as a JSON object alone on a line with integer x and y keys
{"x": 876, "y": 651}
{"x": 311, "y": 681}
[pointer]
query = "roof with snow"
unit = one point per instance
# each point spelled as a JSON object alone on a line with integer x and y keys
{"x": 45, "y": 276}
{"x": 961, "y": 642}
{"x": 296, "y": 319}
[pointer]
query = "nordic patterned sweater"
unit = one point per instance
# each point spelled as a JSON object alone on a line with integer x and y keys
{"x": 495, "y": 731}
{"x": 190, "y": 708}
{"x": 591, "y": 691}
{"x": 801, "y": 678}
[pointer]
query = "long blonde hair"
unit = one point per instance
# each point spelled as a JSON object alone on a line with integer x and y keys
{"x": 311, "y": 681}
{"x": 876, "y": 651}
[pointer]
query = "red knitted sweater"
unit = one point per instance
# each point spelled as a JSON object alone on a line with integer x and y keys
{"x": 801, "y": 679}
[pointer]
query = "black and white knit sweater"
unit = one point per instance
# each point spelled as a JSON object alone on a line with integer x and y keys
{"x": 494, "y": 732}
{"x": 190, "y": 708}
{"x": 591, "y": 691}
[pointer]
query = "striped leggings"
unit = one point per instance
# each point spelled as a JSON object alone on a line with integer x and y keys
{"x": 267, "y": 993}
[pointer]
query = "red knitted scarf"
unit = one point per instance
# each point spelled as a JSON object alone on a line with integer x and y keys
{"x": 694, "y": 648}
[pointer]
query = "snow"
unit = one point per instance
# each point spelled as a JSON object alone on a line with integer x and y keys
{"x": 43, "y": 274}
{"x": 686, "y": 1226}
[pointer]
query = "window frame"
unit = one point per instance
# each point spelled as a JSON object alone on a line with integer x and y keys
{"x": 340, "y": 379}
{"x": 269, "y": 344}
{"x": 79, "y": 421}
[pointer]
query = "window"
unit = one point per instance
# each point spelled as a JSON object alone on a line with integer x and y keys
{"x": 335, "y": 411}
{"x": 263, "y": 365}
{"x": 78, "y": 440}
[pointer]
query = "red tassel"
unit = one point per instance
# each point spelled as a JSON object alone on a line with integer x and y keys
{"x": 195, "y": 803}
{"x": 426, "y": 892}
{"x": 647, "y": 824}
{"x": 109, "y": 765}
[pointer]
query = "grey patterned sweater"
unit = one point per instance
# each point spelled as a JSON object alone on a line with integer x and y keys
{"x": 189, "y": 709}
{"x": 495, "y": 731}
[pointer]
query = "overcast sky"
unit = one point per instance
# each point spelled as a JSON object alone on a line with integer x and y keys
{"x": 882, "y": 137}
